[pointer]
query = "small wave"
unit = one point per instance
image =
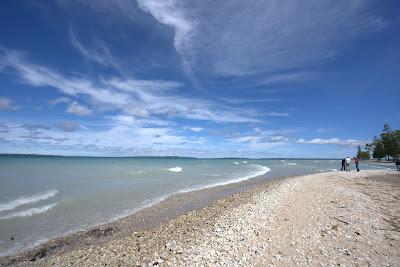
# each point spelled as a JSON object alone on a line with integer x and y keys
{"x": 237, "y": 163}
{"x": 27, "y": 200}
{"x": 316, "y": 161}
{"x": 175, "y": 169}
{"x": 245, "y": 162}
{"x": 333, "y": 170}
{"x": 29, "y": 212}
{"x": 291, "y": 163}
{"x": 261, "y": 171}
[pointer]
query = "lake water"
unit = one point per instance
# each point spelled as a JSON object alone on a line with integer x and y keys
{"x": 46, "y": 197}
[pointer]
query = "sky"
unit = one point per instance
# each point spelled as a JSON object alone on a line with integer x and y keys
{"x": 276, "y": 78}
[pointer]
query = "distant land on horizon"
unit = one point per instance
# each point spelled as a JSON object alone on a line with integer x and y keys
{"x": 167, "y": 157}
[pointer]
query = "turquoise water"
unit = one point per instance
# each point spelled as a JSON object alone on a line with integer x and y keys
{"x": 46, "y": 197}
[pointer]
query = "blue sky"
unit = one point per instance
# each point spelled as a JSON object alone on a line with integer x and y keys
{"x": 197, "y": 78}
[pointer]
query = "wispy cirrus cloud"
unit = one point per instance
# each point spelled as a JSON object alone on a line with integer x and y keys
{"x": 277, "y": 114}
{"x": 172, "y": 13}
{"x": 142, "y": 98}
{"x": 99, "y": 53}
{"x": 40, "y": 76}
{"x": 290, "y": 77}
{"x": 256, "y": 36}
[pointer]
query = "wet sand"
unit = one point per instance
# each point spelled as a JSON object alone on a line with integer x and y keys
{"x": 325, "y": 218}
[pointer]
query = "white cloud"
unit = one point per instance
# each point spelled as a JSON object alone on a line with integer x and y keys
{"x": 119, "y": 138}
{"x": 256, "y": 36}
{"x": 99, "y": 53}
{"x": 7, "y": 104}
{"x": 278, "y": 114}
{"x": 131, "y": 121}
{"x": 277, "y": 138}
{"x": 331, "y": 141}
{"x": 40, "y": 76}
{"x": 196, "y": 129}
{"x": 78, "y": 109}
{"x": 171, "y": 13}
{"x": 261, "y": 140}
{"x": 160, "y": 103}
{"x": 60, "y": 100}
{"x": 140, "y": 98}
{"x": 68, "y": 126}
{"x": 287, "y": 77}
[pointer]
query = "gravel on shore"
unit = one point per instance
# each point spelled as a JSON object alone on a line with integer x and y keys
{"x": 329, "y": 219}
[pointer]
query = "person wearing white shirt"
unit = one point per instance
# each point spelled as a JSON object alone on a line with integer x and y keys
{"x": 348, "y": 161}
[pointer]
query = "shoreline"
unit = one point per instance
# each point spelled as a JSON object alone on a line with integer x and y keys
{"x": 187, "y": 216}
{"x": 143, "y": 219}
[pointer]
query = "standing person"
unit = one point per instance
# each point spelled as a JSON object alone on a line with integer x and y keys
{"x": 348, "y": 161}
{"x": 343, "y": 165}
{"x": 398, "y": 164}
{"x": 357, "y": 162}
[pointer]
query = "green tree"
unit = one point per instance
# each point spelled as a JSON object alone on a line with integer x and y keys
{"x": 388, "y": 141}
{"x": 396, "y": 141}
{"x": 359, "y": 151}
{"x": 362, "y": 154}
{"x": 379, "y": 151}
{"x": 386, "y": 145}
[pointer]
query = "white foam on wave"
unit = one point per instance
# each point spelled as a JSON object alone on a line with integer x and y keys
{"x": 237, "y": 163}
{"x": 244, "y": 161}
{"x": 261, "y": 170}
{"x": 291, "y": 163}
{"x": 175, "y": 169}
{"x": 27, "y": 200}
{"x": 29, "y": 212}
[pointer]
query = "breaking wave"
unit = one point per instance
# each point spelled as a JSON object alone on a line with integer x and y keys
{"x": 175, "y": 169}
{"x": 261, "y": 170}
{"x": 29, "y": 212}
{"x": 27, "y": 200}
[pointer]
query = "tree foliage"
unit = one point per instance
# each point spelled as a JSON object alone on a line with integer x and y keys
{"x": 362, "y": 154}
{"x": 386, "y": 145}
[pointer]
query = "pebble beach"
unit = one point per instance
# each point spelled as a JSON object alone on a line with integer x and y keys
{"x": 329, "y": 219}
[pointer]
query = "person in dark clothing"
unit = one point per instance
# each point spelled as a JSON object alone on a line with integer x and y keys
{"x": 357, "y": 162}
{"x": 343, "y": 165}
{"x": 398, "y": 164}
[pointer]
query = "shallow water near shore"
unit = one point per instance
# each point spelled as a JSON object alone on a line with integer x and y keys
{"x": 46, "y": 197}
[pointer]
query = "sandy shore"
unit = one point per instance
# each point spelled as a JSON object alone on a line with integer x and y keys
{"x": 333, "y": 218}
